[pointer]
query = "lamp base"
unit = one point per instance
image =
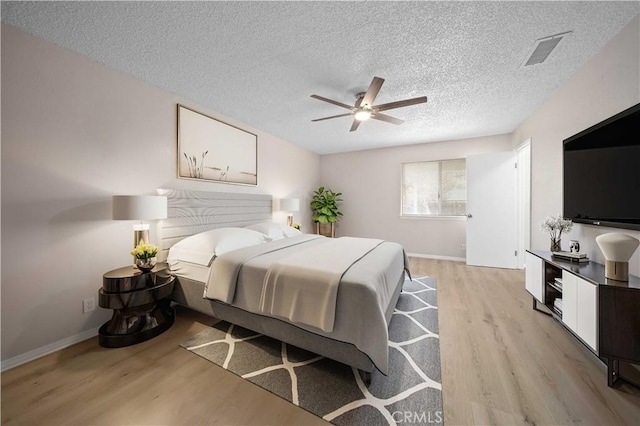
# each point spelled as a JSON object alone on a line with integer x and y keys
{"x": 618, "y": 271}
{"x": 140, "y": 233}
{"x": 290, "y": 220}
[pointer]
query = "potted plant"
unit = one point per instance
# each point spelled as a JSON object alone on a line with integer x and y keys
{"x": 324, "y": 205}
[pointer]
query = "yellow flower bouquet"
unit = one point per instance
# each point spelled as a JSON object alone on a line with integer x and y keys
{"x": 144, "y": 250}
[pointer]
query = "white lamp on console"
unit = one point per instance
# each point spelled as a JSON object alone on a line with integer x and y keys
{"x": 139, "y": 207}
{"x": 617, "y": 249}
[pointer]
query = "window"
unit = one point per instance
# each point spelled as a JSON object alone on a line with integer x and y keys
{"x": 434, "y": 188}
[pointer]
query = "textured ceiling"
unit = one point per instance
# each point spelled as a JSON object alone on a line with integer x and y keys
{"x": 258, "y": 62}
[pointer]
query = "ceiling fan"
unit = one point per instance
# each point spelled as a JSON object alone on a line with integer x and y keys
{"x": 363, "y": 109}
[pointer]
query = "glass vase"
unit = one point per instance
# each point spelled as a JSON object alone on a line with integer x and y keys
{"x": 145, "y": 265}
{"x": 555, "y": 245}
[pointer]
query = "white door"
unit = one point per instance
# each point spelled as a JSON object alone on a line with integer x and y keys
{"x": 491, "y": 210}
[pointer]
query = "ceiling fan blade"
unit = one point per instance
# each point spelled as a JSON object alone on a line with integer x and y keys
{"x": 387, "y": 118}
{"x": 400, "y": 104}
{"x": 355, "y": 125}
{"x": 372, "y": 91}
{"x": 333, "y": 116}
{"x": 331, "y": 101}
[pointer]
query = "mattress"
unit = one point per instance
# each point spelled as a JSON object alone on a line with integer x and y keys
{"x": 191, "y": 271}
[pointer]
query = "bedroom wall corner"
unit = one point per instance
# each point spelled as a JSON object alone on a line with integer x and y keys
{"x": 74, "y": 133}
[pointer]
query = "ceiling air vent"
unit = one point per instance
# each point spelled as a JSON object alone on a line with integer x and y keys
{"x": 542, "y": 48}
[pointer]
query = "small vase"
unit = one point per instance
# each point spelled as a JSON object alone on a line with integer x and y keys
{"x": 145, "y": 265}
{"x": 555, "y": 245}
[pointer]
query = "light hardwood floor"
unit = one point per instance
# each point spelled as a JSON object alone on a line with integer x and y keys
{"x": 502, "y": 363}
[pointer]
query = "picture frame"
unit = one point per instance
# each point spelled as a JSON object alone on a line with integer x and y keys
{"x": 215, "y": 151}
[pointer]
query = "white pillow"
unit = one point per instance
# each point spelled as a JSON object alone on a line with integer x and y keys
{"x": 203, "y": 247}
{"x": 275, "y": 231}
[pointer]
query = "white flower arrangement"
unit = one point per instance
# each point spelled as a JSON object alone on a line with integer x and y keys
{"x": 144, "y": 250}
{"x": 555, "y": 226}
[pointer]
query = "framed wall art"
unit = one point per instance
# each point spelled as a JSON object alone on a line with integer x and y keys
{"x": 211, "y": 150}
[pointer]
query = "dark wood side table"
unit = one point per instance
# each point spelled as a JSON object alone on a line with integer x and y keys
{"x": 141, "y": 308}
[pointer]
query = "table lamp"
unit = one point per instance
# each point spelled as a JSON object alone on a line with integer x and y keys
{"x": 139, "y": 207}
{"x": 290, "y": 205}
{"x": 617, "y": 249}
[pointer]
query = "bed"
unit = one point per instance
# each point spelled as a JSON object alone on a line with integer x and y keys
{"x": 248, "y": 284}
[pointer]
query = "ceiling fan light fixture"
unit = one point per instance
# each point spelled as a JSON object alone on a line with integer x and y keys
{"x": 364, "y": 107}
{"x": 363, "y": 115}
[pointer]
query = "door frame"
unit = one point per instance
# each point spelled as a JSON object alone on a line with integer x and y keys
{"x": 523, "y": 199}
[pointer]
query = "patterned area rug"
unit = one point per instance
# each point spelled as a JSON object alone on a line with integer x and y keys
{"x": 410, "y": 393}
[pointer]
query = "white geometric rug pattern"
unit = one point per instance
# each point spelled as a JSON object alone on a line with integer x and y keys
{"x": 411, "y": 393}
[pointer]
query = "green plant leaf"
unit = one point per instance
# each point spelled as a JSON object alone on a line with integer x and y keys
{"x": 324, "y": 205}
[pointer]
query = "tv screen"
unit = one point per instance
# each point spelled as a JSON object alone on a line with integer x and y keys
{"x": 601, "y": 173}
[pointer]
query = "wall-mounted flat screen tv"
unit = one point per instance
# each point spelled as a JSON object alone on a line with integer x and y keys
{"x": 601, "y": 175}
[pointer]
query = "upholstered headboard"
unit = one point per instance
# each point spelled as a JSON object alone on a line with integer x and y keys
{"x": 191, "y": 212}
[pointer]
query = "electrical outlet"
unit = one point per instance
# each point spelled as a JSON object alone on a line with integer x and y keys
{"x": 88, "y": 304}
{"x": 463, "y": 247}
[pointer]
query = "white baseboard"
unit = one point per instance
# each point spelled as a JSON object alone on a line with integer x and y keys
{"x": 434, "y": 256}
{"x": 47, "y": 349}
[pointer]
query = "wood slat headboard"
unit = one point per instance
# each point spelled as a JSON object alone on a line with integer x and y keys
{"x": 190, "y": 212}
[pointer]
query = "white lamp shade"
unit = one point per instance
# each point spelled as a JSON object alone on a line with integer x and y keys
{"x": 290, "y": 204}
{"x": 617, "y": 247}
{"x": 139, "y": 207}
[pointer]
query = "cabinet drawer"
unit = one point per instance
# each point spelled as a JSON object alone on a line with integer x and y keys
{"x": 588, "y": 313}
{"x": 579, "y": 308}
{"x": 570, "y": 300}
{"x": 534, "y": 276}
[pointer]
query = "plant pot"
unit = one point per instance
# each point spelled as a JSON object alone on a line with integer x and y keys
{"x": 145, "y": 265}
{"x": 326, "y": 229}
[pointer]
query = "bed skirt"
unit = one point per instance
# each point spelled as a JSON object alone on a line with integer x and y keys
{"x": 189, "y": 293}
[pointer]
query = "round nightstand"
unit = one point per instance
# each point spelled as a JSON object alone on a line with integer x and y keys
{"x": 141, "y": 308}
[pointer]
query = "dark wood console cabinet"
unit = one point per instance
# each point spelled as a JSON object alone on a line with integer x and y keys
{"x": 603, "y": 314}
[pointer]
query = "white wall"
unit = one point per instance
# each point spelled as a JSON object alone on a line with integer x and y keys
{"x": 74, "y": 133}
{"x": 370, "y": 181}
{"x": 607, "y": 84}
